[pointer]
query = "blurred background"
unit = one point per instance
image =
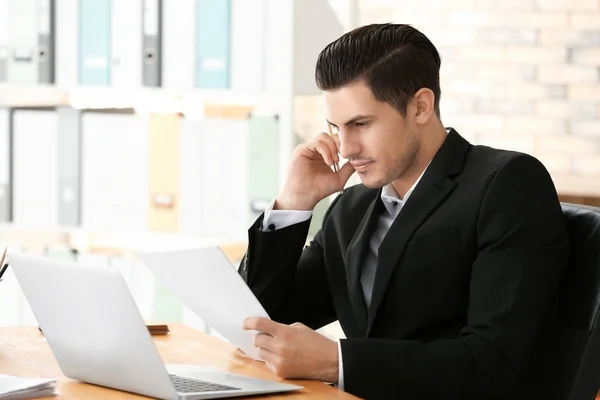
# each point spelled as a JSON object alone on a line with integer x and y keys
{"x": 136, "y": 124}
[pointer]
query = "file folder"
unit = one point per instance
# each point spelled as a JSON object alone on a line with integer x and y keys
{"x": 263, "y": 163}
{"x": 212, "y": 44}
{"x": 233, "y": 193}
{"x": 278, "y": 21}
{"x": 152, "y": 43}
{"x": 5, "y": 166}
{"x": 27, "y": 55}
{"x": 191, "y": 176}
{"x": 126, "y": 44}
{"x": 213, "y": 177}
{"x": 239, "y": 202}
{"x": 67, "y": 44}
{"x": 35, "y": 164}
{"x": 178, "y": 44}
{"x": 69, "y": 167}
{"x": 248, "y": 29}
{"x": 46, "y": 41}
{"x": 23, "y": 40}
{"x": 114, "y": 187}
{"x": 163, "y": 173}
{"x": 94, "y": 42}
{"x": 4, "y": 52}
{"x": 202, "y": 177}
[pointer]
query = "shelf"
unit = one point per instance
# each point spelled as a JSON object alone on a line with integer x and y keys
{"x": 112, "y": 243}
{"x": 193, "y": 101}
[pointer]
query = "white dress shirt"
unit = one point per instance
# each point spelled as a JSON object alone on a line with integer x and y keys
{"x": 278, "y": 219}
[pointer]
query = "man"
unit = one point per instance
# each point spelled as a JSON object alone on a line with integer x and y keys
{"x": 442, "y": 267}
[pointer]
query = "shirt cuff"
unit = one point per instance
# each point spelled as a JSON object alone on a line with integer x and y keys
{"x": 279, "y": 219}
{"x": 340, "y": 384}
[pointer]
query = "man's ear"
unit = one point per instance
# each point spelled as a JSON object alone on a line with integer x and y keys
{"x": 424, "y": 103}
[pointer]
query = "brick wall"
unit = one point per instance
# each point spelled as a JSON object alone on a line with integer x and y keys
{"x": 516, "y": 74}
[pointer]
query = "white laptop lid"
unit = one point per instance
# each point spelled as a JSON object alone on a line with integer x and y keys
{"x": 92, "y": 325}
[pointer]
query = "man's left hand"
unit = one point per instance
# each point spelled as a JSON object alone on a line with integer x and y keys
{"x": 295, "y": 351}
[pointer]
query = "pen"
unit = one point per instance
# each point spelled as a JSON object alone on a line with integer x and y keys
{"x": 335, "y": 165}
{"x": 153, "y": 329}
{"x": 3, "y": 264}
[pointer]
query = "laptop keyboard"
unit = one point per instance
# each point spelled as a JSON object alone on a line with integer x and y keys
{"x": 188, "y": 385}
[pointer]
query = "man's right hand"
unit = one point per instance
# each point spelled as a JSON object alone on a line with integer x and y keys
{"x": 310, "y": 177}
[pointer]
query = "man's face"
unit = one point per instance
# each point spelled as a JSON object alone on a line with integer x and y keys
{"x": 374, "y": 137}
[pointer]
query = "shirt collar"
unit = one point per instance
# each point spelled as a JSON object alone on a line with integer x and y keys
{"x": 390, "y": 198}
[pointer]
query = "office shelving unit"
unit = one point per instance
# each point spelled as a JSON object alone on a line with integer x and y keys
{"x": 260, "y": 95}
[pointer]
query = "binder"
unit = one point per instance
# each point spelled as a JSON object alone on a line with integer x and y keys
{"x": 211, "y": 146}
{"x": 278, "y": 20}
{"x": 229, "y": 173}
{"x": 248, "y": 29}
{"x": 191, "y": 176}
{"x": 114, "y": 170}
{"x": 67, "y": 43}
{"x": 126, "y": 44}
{"x": 212, "y": 64}
{"x": 28, "y": 57}
{"x": 94, "y": 42}
{"x": 35, "y": 164}
{"x": 178, "y": 44}
{"x": 5, "y": 166}
{"x": 233, "y": 193}
{"x": 23, "y": 38}
{"x": 263, "y": 164}
{"x": 152, "y": 43}
{"x": 69, "y": 167}
{"x": 46, "y": 53}
{"x": 213, "y": 177}
{"x": 4, "y": 52}
{"x": 163, "y": 173}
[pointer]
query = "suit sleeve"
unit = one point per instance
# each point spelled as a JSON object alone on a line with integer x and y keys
{"x": 288, "y": 278}
{"x": 522, "y": 251}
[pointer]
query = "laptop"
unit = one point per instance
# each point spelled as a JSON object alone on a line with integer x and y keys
{"x": 98, "y": 336}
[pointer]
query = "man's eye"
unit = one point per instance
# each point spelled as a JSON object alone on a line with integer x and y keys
{"x": 361, "y": 124}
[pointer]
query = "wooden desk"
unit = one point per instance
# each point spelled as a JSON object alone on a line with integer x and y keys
{"x": 24, "y": 352}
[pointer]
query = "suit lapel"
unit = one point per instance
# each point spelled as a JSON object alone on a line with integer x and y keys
{"x": 355, "y": 257}
{"x": 431, "y": 191}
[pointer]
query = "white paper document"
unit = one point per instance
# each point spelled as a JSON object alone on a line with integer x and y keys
{"x": 206, "y": 282}
{"x": 14, "y": 388}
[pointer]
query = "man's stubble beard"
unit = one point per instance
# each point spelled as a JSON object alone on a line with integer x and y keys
{"x": 404, "y": 162}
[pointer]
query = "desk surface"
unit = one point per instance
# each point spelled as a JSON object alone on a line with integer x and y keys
{"x": 24, "y": 352}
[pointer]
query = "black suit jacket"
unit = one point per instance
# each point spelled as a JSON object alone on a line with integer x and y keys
{"x": 467, "y": 277}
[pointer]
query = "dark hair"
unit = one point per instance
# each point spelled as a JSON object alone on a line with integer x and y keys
{"x": 394, "y": 60}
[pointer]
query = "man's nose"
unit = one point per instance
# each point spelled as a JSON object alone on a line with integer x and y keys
{"x": 348, "y": 147}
